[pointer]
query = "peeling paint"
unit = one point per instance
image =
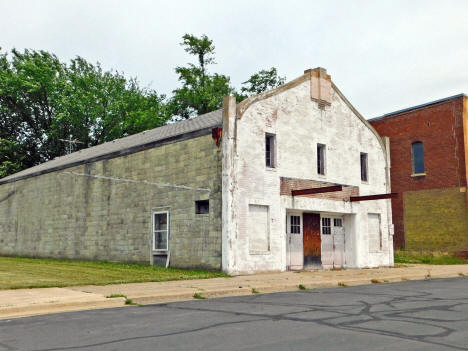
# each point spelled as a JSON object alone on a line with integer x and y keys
{"x": 299, "y": 123}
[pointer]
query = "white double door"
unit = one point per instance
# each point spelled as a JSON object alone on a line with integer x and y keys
{"x": 333, "y": 242}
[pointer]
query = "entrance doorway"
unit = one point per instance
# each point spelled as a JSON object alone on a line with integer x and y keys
{"x": 312, "y": 240}
{"x": 333, "y": 242}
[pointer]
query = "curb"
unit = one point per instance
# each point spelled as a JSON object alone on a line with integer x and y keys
{"x": 51, "y": 307}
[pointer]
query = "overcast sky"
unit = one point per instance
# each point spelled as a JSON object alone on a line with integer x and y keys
{"x": 383, "y": 55}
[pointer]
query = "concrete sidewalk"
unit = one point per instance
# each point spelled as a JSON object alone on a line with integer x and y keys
{"x": 27, "y": 302}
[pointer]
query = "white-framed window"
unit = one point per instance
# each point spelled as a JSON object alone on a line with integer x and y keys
{"x": 321, "y": 159}
{"x": 295, "y": 224}
{"x": 326, "y": 225}
{"x": 364, "y": 167}
{"x": 337, "y": 222}
{"x": 270, "y": 147}
{"x": 161, "y": 231}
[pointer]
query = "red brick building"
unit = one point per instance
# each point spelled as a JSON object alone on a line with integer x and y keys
{"x": 428, "y": 148}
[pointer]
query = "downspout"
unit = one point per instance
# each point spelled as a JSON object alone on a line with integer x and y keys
{"x": 386, "y": 142}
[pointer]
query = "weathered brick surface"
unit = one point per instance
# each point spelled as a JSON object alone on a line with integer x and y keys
{"x": 289, "y": 184}
{"x": 71, "y": 215}
{"x": 440, "y": 128}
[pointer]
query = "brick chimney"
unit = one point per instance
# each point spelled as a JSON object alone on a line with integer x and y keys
{"x": 320, "y": 86}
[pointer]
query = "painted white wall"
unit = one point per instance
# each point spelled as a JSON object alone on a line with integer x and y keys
{"x": 299, "y": 124}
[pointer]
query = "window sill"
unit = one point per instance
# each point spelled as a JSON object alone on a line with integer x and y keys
{"x": 418, "y": 175}
{"x": 271, "y": 169}
{"x": 160, "y": 252}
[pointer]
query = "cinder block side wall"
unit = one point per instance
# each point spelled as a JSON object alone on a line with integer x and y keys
{"x": 440, "y": 128}
{"x": 436, "y": 220}
{"x": 74, "y": 214}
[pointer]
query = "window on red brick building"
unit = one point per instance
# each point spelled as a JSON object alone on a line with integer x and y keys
{"x": 417, "y": 151}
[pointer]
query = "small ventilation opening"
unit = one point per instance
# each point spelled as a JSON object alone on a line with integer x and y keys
{"x": 202, "y": 207}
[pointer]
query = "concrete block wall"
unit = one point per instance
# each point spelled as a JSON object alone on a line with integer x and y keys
{"x": 76, "y": 213}
{"x": 435, "y": 220}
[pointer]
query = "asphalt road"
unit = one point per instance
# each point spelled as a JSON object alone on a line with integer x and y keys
{"x": 419, "y": 315}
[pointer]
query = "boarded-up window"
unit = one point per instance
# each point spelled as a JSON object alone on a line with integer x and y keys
{"x": 375, "y": 237}
{"x": 258, "y": 228}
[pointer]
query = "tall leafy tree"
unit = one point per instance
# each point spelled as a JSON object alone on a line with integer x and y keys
{"x": 201, "y": 92}
{"x": 43, "y": 100}
{"x": 261, "y": 81}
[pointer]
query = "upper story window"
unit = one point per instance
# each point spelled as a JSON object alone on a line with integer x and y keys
{"x": 270, "y": 146}
{"x": 417, "y": 152}
{"x": 364, "y": 172}
{"x": 320, "y": 159}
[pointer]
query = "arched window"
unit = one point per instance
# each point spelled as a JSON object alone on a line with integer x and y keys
{"x": 417, "y": 151}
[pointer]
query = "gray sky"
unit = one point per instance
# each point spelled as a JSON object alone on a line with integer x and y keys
{"x": 383, "y": 55}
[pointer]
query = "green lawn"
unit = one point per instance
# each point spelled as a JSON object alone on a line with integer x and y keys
{"x": 427, "y": 258}
{"x": 20, "y": 272}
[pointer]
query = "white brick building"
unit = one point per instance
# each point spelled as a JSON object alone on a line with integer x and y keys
{"x": 303, "y": 135}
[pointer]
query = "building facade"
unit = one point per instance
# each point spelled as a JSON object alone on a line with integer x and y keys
{"x": 428, "y": 146}
{"x": 292, "y": 178}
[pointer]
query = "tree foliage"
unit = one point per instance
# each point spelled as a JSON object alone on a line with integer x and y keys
{"x": 261, "y": 81}
{"x": 43, "y": 100}
{"x": 201, "y": 92}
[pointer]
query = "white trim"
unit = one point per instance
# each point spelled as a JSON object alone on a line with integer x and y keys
{"x": 154, "y": 249}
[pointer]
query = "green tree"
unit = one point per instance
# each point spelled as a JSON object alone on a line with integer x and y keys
{"x": 11, "y": 157}
{"x": 259, "y": 82}
{"x": 201, "y": 92}
{"x": 43, "y": 100}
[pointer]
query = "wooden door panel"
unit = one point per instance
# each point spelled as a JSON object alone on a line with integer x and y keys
{"x": 311, "y": 238}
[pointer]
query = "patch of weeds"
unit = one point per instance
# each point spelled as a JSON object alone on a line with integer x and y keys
{"x": 428, "y": 275}
{"x": 427, "y": 257}
{"x": 376, "y": 281}
{"x": 198, "y": 296}
{"x": 255, "y": 291}
{"x": 130, "y": 302}
{"x": 404, "y": 278}
{"x": 342, "y": 284}
{"x": 116, "y": 295}
{"x": 386, "y": 281}
{"x": 461, "y": 274}
{"x": 302, "y": 287}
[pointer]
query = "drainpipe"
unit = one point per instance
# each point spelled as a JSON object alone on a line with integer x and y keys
{"x": 386, "y": 141}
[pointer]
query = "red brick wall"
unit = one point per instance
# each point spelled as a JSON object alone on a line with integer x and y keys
{"x": 440, "y": 128}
